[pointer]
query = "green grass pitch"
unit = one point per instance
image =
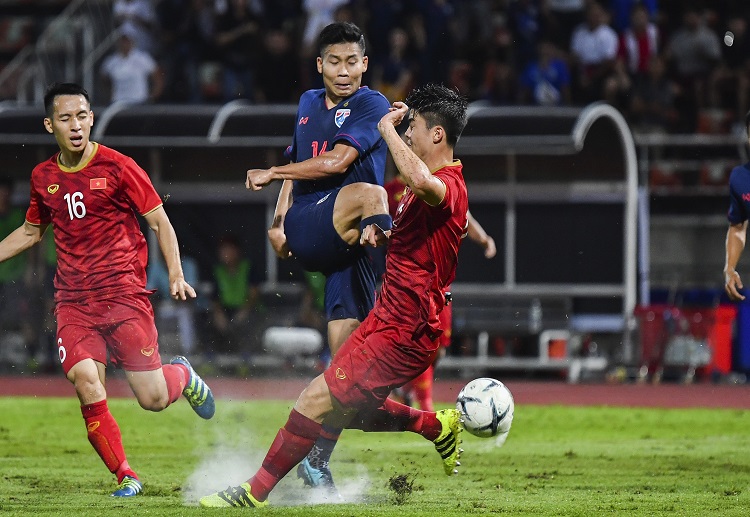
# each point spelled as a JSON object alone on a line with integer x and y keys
{"x": 556, "y": 461}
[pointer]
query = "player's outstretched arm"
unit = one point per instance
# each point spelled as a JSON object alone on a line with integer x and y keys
{"x": 415, "y": 172}
{"x": 478, "y": 235}
{"x": 158, "y": 221}
{"x": 735, "y": 244}
{"x": 276, "y": 235}
{"x": 21, "y": 239}
{"x": 335, "y": 161}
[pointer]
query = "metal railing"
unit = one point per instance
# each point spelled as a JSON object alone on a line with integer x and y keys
{"x": 68, "y": 50}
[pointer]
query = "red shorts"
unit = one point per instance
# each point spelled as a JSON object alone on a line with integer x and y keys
{"x": 446, "y": 323}
{"x": 374, "y": 360}
{"x": 122, "y": 328}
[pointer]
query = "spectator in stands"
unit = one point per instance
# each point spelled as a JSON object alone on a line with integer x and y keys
{"x": 639, "y": 43}
{"x": 499, "y": 87}
{"x": 395, "y": 77}
{"x": 622, "y": 12}
{"x": 731, "y": 78}
{"x": 546, "y": 80}
{"x": 319, "y": 13}
{"x": 593, "y": 49}
{"x": 498, "y": 79}
{"x": 382, "y": 17}
{"x": 187, "y": 43}
{"x": 564, "y": 17}
{"x": 131, "y": 74}
{"x": 527, "y": 23}
{"x": 167, "y": 308}
{"x": 279, "y": 61}
{"x": 437, "y": 51}
{"x": 141, "y": 16}
{"x": 472, "y": 29}
{"x": 238, "y": 42}
{"x": 652, "y": 104}
{"x": 693, "y": 51}
{"x": 236, "y": 300}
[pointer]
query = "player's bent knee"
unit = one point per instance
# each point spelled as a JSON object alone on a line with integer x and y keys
{"x": 154, "y": 403}
{"x": 358, "y": 194}
{"x": 89, "y": 391}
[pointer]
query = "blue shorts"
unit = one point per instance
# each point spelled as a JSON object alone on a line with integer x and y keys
{"x": 350, "y": 279}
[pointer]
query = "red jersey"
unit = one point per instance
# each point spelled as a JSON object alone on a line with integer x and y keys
{"x": 423, "y": 254}
{"x": 395, "y": 190}
{"x": 101, "y": 252}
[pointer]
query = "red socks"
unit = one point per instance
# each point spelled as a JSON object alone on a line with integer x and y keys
{"x": 176, "y": 376}
{"x": 395, "y": 417}
{"x": 104, "y": 435}
{"x": 422, "y": 388}
{"x": 291, "y": 445}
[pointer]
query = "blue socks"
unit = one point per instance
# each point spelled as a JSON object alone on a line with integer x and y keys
{"x": 384, "y": 221}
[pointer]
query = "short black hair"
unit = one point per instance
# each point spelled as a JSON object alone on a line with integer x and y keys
{"x": 440, "y": 106}
{"x": 56, "y": 89}
{"x": 340, "y": 32}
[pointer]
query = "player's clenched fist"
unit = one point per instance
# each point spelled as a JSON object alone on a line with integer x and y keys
{"x": 374, "y": 235}
{"x": 258, "y": 178}
{"x": 394, "y": 116}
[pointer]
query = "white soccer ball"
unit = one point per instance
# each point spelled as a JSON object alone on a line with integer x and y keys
{"x": 486, "y": 407}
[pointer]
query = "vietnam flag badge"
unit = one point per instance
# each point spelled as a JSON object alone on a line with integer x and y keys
{"x": 98, "y": 183}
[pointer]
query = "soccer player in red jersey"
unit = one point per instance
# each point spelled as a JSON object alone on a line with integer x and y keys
{"x": 90, "y": 194}
{"x": 399, "y": 338}
{"x": 421, "y": 387}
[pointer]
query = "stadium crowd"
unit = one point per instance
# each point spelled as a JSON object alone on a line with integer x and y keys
{"x": 668, "y": 65}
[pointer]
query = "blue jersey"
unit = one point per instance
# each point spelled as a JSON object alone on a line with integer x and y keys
{"x": 739, "y": 194}
{"x": 354, "y": 121}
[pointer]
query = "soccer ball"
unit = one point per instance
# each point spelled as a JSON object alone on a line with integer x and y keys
{"x": 486, "y": 407}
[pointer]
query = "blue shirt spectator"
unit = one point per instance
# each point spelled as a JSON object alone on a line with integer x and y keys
{"x": 546, "y": 81}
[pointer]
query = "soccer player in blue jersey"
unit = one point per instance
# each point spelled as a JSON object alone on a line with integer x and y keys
{"x": 739, "y": 211}
{"x": 331, "y": 190}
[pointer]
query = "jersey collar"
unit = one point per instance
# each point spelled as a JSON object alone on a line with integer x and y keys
{"x": 80, "y": 165}
{"x": 449, "y": 164}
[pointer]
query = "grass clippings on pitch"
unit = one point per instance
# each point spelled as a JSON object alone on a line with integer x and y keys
{"x": 557, "y": 461}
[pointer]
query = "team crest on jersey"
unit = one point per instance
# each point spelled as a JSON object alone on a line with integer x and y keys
{"x": 53, "y": 188}
{"x": 341, "y": 115}
{"x": 98, "y": 183}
